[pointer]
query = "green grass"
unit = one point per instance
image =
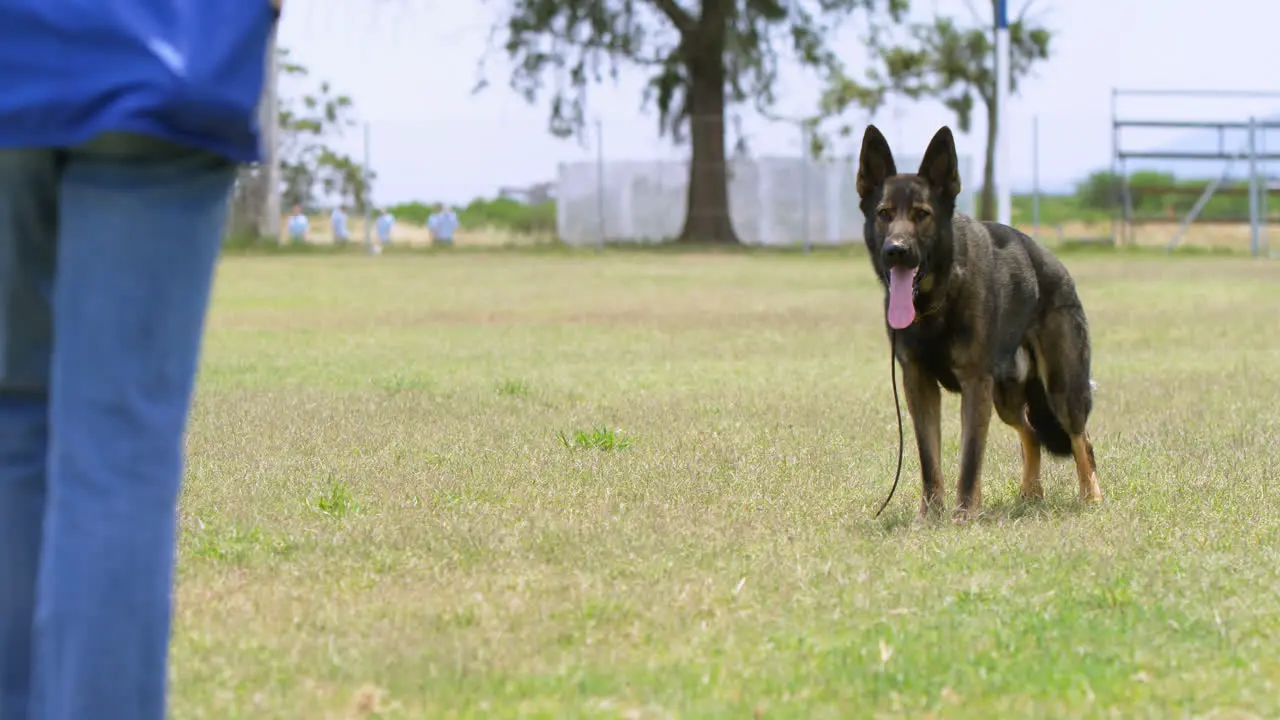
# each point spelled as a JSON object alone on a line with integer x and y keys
{"x": 642, "y": 486}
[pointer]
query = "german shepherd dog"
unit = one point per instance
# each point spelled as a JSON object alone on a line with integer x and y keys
{"x": 980, "y": 309}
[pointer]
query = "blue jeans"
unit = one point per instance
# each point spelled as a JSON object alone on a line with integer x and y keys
{"x": 107, "y": 254}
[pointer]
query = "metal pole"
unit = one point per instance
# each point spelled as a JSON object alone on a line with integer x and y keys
{"x": 269, "y": 123}
{"x": 368, "y": 195}
{"x": 1126, "y": 199}
{"x": 1114, "y": 192}
{"x": 599, "y": 185}
{"x": 1035, "y": 177}
{"x": 1251, "y": 94}
{"x": 1264, "y": 184}
{"x": 804, "y": 188}
{"x": 1253, "y": 187}
{"x": 1199, "y": 204}
{"x": 1004, "y": 204}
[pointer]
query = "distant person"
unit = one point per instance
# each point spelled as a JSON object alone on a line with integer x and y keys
{"x": 298, "y": 225}
{"x": 338, "y": 223}
{"x": 122, "y": 125}
{"x": 442, "y": 224}
{"x": 386, "y": 221}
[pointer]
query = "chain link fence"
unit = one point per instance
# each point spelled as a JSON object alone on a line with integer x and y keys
{"x": 774, "y": 198}
{"x": 617, "y": 183}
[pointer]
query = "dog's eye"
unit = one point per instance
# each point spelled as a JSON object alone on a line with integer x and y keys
{"x": 920, "y": 214}
{"x": 885, "y": 214}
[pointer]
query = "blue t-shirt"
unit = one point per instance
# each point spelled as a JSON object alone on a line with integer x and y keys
{"x": 384, "y": 224}
{"x": 443, "y": 224}
{"x": 298, "y": 225}
{"x": 188, "y": 72}
{"x": 338, "y": 221}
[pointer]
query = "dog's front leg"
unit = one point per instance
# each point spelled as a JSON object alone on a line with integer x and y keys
{"x": 924, "y": 403}
{"x": 976, "y": 397}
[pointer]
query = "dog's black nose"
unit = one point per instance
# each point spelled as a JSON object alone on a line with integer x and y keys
{"x": 895, "y": 254}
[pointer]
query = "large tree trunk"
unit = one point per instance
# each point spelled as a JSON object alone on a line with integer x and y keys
{"x": 706, "y": 217}
{"x": 987, "y": 204}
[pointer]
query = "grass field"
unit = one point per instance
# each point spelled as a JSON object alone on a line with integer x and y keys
{"x": 641, "y": 486}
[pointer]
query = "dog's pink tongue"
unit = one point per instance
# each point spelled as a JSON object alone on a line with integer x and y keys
{"x": 902, "y": 309}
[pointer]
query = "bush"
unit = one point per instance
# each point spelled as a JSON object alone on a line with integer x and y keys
{"x": 1099, "y": 191}
{"x": 511, "y": 215}
{"x": 1159, "y": 194}
{"x": 499, "y": 213}
{"x": 414, "y": 213}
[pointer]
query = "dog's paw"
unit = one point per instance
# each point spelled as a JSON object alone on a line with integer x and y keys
{"x": 1031, "y": 491}
{"x": 965, "y": 515}
{"x": 929, "y": 512}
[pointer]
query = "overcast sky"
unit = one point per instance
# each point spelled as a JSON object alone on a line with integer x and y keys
{"x": 410, "y": 66}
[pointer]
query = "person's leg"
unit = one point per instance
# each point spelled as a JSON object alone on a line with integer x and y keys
{"x": 28, "y": 235}
{"x": 140, "y": 224}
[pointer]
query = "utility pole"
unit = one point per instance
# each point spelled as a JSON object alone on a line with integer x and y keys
{"x": 1004, "y": 175}
{"x": 269, "y": 123}
{"x": 368, "y": 197}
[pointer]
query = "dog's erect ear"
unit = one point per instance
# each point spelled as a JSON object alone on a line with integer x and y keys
{"x": 940, "y": 167}
{"x": 875, "y": 162}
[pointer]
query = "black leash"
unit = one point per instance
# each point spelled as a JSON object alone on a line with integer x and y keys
{"x": 897, "y": 406}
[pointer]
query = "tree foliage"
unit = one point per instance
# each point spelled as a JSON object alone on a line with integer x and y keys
{"x": 1148, "y": 191}
{"x": 504, "y": 213}
{"x": 572, "y": 44}
{"x": 310, "y": 168}
{"x": 954, "y": 63}
{"x": 705, "y": 60}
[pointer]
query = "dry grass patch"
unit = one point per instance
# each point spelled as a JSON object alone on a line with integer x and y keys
{"x": 647, "y": 492}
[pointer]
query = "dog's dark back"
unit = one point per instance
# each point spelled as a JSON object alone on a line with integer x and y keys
{"x": 986, "y": 287}
{"x": 978, "y": 308}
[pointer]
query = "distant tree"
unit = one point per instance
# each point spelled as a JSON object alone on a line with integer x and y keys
{"x": 1099, "y": 191}
{"x": 1148, "y": 191}
{"x": 704, "y": 59}
{"x": 309, "y": 165}
{"x": 307, "y": 124}
{"x": 955, "y": 64}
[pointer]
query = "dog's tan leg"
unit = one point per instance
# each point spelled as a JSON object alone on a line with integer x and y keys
{"x": 1031, "y": 489}
{"x": 1086, "y": 469}
{"x": 976, "y": 397}
{"x": 1011, "y": 407}
{"x": 924, "y": 403}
